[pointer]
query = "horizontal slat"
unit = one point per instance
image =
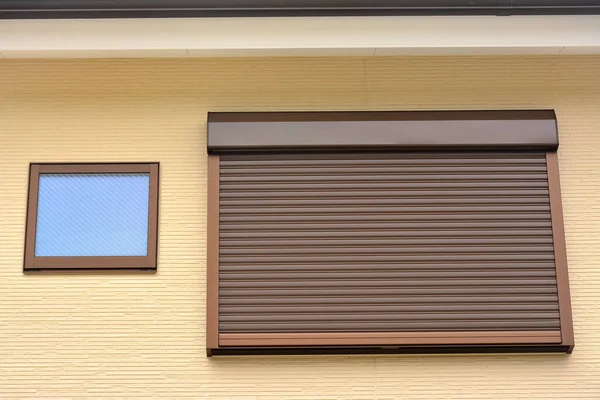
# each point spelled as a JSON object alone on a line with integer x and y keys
{"x": 395, "y": 338}
{"x": 372, "y": 204}
{"x": 491, "y": 316}
{"x": 389, "y": 267}
{"x": 230, "y": 237}
{"x": 385, "y": 160}
{"x": 399, "y": 250}
{"x": 395, "y": 194}
{"x": 247, "y": 259}
{"x": 385, "y": 291}
{"x": 396, "y": 177}
{"x": 397, "y": 283}
{"x": 410, "y": 157}
{"x": 336, "y": 186}
{"x": 370, "y": 326}
{"x": 414, "y": 301}
{"x": 384, "y": 169}
{"x": 400, "y": 210}
{"x": 392, "y": 226}
{"x": 381, "y": 308}
{"x": 357, "y": 217}
{"x": 243, "y": 276}
{"x": 291, "y": 242}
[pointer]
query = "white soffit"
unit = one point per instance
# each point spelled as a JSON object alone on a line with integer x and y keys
{"x": 302, "y": 36}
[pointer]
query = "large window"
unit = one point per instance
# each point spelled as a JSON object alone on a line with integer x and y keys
{"x": 92, "y": 216}
{"x": 386, "y": 232}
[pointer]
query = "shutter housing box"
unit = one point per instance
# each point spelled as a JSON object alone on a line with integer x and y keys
{"x": 385, "y": 232}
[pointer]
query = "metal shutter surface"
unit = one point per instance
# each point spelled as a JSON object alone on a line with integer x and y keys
{"x": 386, "y": 242}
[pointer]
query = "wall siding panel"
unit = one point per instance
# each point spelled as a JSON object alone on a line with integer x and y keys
{"x": 116, "y": 335}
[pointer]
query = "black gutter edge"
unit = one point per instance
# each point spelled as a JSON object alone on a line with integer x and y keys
{"x": 61, "y": 9}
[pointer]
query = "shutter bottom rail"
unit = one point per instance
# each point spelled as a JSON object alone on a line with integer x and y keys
{"x": 388, "y": 338}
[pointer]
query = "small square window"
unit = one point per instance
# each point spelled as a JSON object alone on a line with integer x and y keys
{"x": 92, "y": 216}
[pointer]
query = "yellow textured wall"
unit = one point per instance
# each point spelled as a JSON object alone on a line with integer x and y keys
{"x": 132, "y": 335}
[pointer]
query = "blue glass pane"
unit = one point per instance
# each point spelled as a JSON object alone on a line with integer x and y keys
{"x": 92, "y": 215}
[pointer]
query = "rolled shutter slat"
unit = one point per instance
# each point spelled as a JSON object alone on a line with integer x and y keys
{"x": 355, "y": 301}
{"x": 390, "y": 217}
{"x": 382, "y": 308}
{"x": 383, "y": 185}
{"x": 398, "y": 194}
{"x": 403, "y": 326}
{"x": 349, "y": 228}
{"x": 390, "y": 267}
{"x": 250, "y": 293}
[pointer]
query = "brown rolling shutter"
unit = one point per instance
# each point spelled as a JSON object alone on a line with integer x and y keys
{"x": 371, "y": 248}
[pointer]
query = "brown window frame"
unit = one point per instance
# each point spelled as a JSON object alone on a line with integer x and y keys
{"x": 39, "y": 263}
{"x": 223, "y": 138}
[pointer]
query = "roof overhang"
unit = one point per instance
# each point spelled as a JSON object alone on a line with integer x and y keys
{"x": 302, "y": 36}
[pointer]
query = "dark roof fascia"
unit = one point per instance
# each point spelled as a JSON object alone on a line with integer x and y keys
{"x": 48, "y": 9}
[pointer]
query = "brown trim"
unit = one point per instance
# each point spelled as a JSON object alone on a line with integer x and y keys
{"x": 384, "y": 338}
{"x": 31, "y": 221}
{"x": 93, "y": 262}
{"x": 94, "y": 168}
{"x": 416, "y": 130}
{"x": 212, "y": 264}
{"x": 560, "y": 251}
{"x": 33, "y": 263}
{"x": 153, "y": 209}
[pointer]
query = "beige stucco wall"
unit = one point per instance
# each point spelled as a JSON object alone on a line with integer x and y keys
{"x": 131, "y": 335}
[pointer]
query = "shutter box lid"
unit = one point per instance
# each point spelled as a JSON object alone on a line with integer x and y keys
{"x": 406, "y": 130}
